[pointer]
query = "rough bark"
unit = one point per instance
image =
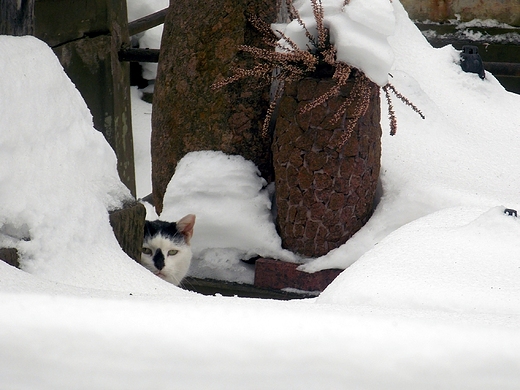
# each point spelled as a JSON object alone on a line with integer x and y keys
{"x": 199, "y": 46}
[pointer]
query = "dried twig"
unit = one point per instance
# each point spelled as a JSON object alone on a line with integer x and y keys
{"x": 341, "y": 74}
{"x": 360, "y": 98}
{"x": 391, "y": 113}
{"x": 317, "y": 9}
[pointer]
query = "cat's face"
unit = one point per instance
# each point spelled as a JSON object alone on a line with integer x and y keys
{"x": 166, "y": 248}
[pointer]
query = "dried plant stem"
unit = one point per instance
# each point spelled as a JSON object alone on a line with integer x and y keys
{"x": 272, "y": 106}
{"x": 285, "y": 62}
{"x": 404, "y": 99}
{"x": 360, "y": 98}
{"x": 267, "y": 34}
{"x": 391, "y": 113}
{"x": 341, "y": 75}
{"x": 296, "y": 16}
{"x": 260, "y": 71}
{"x": 317, "y": 9}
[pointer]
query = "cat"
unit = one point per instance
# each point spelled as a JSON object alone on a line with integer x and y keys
{"x": 166, "y": 248}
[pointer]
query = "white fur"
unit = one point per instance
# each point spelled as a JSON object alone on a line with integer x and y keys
{"x": 175, "y": 267}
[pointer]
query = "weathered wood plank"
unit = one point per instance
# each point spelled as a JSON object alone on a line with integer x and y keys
{"x": 147, "y": 22}
{"x": 139, "y": 55}
{"x": 17, "y": 17}
{"x": 231, "y": 289}
{"x": 128, "y": 226}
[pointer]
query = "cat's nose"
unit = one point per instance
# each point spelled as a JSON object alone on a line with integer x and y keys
{"x": 158, "y": 259}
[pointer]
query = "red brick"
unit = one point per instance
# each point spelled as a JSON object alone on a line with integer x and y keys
{"x": 276, "y": 274}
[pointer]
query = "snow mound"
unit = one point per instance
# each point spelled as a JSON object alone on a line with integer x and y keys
{"x": 461, "y": 260}
{"x": 58, "y": 176}
{"x": 233, "y": 209}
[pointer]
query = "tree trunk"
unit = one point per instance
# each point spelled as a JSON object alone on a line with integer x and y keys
{"x": 199, "y": 47}
{"x": 324, "y": 193}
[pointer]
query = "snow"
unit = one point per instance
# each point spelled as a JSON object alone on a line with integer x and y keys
{"x": 141, "y": 121}
{"x": 359, "y": 31}
{"x": 59, "y": 175}
{"x": 429, "y": 299}
{"x": 476, "y": 252}
{"x": 476, "y": 36}
{"x": 229, "y": 343}
{"x": 233, "y": 208}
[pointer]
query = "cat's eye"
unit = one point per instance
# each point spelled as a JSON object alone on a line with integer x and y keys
{"x": 172, "y": 252}
{"x": 146, "y": 251}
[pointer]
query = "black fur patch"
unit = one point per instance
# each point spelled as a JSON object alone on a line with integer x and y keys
{"x": 167, "y": 229}
{"x": 158, "y": 259}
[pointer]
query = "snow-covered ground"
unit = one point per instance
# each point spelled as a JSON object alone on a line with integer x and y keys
{"x": 430, "y": 300}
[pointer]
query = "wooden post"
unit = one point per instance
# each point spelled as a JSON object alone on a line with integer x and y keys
{"x": 17, "y": 17}
{"x": 87, "y": 37}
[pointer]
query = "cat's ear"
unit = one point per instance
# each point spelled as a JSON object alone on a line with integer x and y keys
{"x": 185, "y": 226}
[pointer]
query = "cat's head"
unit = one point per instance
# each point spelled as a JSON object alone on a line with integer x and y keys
{"x": 166, "y": 248}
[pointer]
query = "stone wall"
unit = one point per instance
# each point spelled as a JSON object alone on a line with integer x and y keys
{"x": 505, "y": 11}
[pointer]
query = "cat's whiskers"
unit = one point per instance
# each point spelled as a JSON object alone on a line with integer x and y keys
{"x": 186, "y": 285}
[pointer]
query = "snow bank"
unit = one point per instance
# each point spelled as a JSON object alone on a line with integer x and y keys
{"x": 460, "y": 260}
{"x": 228, "y": 343}
{"x": 58, "y": 176}
{"x": 142, "y": 129}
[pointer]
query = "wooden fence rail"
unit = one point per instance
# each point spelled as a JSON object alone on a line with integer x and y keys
{"x": 147, "y": 22}
{"x": 139, "y": 26}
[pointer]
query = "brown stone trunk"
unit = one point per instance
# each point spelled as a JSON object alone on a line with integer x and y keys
{"x": 324, "y": 193}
